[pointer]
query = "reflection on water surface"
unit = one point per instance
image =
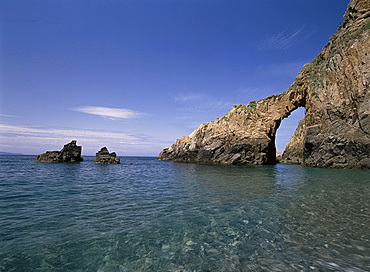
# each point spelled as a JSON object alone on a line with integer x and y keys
{"x": 162, "y": 216}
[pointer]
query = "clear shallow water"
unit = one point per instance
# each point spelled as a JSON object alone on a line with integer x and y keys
{"x": 162, "y": 216}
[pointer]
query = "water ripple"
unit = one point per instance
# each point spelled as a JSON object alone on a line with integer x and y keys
{"x": 161, "y": 216}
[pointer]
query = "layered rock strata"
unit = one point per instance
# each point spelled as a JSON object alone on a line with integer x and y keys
{"x": 333, "y": 88}
{"x": 71, "y": 152}
{"x": 104, "y": 157}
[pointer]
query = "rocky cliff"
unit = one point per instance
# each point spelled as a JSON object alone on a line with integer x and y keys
{"x": 333, "y": 88}
{"x": 71, "y": 152}
{"x": 104, "y": 157}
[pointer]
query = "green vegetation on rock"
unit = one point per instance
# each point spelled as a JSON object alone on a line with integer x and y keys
{"x": 250, "y": 108}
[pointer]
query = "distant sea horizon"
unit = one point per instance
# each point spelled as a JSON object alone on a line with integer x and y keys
{"x": 4, "y": 153}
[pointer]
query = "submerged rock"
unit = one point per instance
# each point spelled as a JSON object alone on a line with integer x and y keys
{"x": 71, "y": 152}
{"x": 333, "y": 88}
{"x": 104, "y": 157}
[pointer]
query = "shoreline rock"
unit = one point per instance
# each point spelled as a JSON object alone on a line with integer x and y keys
{"x": 334, "y": 89}
{"x": 104, "y": 157}
{"x": 71, "y": 152}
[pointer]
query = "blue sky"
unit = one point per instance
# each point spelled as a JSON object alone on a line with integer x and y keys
{"x": 135, "y": 75}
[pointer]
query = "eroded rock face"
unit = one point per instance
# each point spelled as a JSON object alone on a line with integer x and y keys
{"x": 293, "y": 153}
{"x": 337, "y": 119}
{"x": 245, "y": 135}
{"x": 333, "y": 88}
{"x": 71, "y": 152}
{"x": 104, "y": 157}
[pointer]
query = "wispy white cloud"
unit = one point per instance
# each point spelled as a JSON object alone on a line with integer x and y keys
{"x": 212, "y": 105}
{"x": 284, "y": 40}
{"x": 196, "y": 102}
{"x": 111, "y": 113}
{"x": 34, "y": 140}
{"x": 287, "y": 69}
{"x": 249, "y": 91}
{"x": 247, "y": 94}
{"x": 189, "y": 97}
{"x": 8, "y": 115}
{"x": 63, "y": 133}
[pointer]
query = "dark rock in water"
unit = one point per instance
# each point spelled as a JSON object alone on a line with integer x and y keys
{"x": 333, "y": 89}
{"x": 71, "y": 152}
{"x": 104, "y": 157}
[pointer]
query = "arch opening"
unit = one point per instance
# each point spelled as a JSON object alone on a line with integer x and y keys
{"x": 287, "y": 129}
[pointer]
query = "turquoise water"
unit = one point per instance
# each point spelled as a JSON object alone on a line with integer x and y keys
{"x": 162, "y": 216}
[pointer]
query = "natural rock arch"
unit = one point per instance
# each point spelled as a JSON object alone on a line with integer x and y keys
{"x": 333, "y": 88}
{"x": 245, "y": 135}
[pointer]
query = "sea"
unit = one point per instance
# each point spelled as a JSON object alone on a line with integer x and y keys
{"x": 164, "y": 216}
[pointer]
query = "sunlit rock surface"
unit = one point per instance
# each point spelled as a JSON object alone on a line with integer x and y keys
{"x": 333, "y": 88}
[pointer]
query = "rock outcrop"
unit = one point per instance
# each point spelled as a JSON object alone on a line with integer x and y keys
{"x": 71, "y": 152}
{"x": 333, "y": 88}
{"x": 104, "y": 157}
{"x": 293, "y": 153}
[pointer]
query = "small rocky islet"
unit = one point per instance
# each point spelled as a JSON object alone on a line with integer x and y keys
{"x": 104, "y": 157}
{"x": 71, "y": 152}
